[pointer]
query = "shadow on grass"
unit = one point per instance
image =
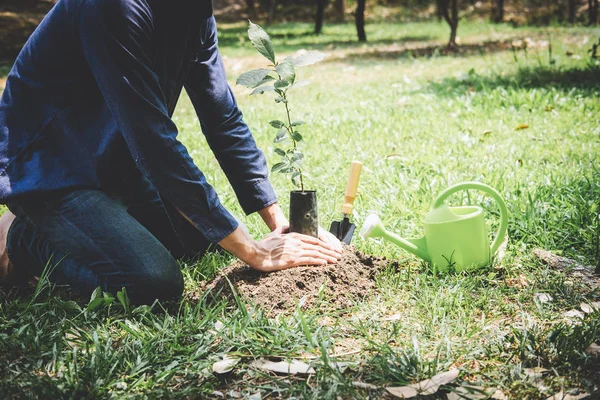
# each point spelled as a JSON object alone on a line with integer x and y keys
{"x": 586, "y": 78}
{"x": 399, "y": 51}
{"x": 236, "y": 37}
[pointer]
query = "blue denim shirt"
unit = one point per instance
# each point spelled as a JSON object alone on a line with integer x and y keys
{"x": 89, "y": 100}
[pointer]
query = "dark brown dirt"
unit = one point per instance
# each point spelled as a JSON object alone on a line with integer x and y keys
{"x": 342, "y": 284}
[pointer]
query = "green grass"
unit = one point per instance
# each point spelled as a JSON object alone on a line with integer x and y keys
{"x": 419, "y": 125}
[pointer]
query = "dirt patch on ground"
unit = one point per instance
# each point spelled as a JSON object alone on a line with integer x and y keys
{"x": 341, "y": 284}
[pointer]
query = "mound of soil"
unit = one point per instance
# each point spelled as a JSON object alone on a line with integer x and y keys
{"x": 341, "y": 284}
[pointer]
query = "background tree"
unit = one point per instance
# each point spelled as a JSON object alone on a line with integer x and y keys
{"x": 359, "y": 18}
{"x": 340, "y": 10}
{"x": 321, "y": 5}
{"x": 450, "y": 13}
{"x": 572, "y": 7}
{"x": 497, "y": 14}
{"x": 593, "y": 12}
{"x": 251, "y": 9}
{"x": 439, "y": 13}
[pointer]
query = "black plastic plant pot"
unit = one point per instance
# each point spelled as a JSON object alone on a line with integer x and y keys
{"x": 304, "y": 217}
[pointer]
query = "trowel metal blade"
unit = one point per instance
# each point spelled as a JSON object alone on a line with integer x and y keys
{"x": 343, "y": 230}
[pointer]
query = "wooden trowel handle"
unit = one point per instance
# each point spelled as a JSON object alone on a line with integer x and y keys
{"x": 351, "y": 187}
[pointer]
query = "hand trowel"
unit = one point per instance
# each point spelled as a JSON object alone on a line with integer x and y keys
{"x": 344, "y": 229}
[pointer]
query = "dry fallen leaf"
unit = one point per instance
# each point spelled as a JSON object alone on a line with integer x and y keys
{"x": 589, "y": 308}
{"x": 522, "y": 126}
{"x": 283, "y": 367}
{"x": 534, "y": 373}
{"x": 364, "y": 385}
{"x": 225, "y": 365}
{"x": 593, "y": 350}
{"x": 519, "y": 282}
{"x": 394, "y": 317}
{"x": 562, "y": 396}
{"x": 584, "y": 273}
{"x": 499, "y": 395}
{"x": 426, "y": 387}
{"x": 573, "y": 314}
{"x": 543, "y": 297}
{"x": 403, "y": 392}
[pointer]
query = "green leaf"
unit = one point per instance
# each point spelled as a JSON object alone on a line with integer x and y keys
{"x": 295, "y": 175}
{"x": 301, "y": 83}
{"x": 281, "y": 84}
{"x": 277, "y": 124}
{"x": 262, "y": 89}
{"x": 280, "y": 100}
{"x": 124, "y": 299}
{"x": 308, "y": 58}
{"x": 280, "y": 152}
{"x": 296, "y": 136}
{"x": 286, "y": 71}
{"x": 266, "y": 79}
{"x": 297, "y": 157}
{"x": 279, "y": 166}
{"x": 96, "y": 294}
{"x": 96, "y": 303}
{"x": 281, "y": 136}
{"x": 298, "y": 123}
{"x": 261, "y": 41}
{"x": 252, "y": 78}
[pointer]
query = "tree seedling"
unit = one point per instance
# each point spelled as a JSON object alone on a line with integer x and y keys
{"x": 280, "y": 78}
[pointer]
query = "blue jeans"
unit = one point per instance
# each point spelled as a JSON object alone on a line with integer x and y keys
{"x": 95, "y": 238}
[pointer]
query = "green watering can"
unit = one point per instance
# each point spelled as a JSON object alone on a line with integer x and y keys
{"x": 455, "y": 237}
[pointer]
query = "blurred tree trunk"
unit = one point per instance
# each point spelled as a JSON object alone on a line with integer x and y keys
{"x": 340, "y": 10}
{"x": 251, "y": 9}
{"x": 572, "y": 11}
{"x": 271, "y": 11}
{"x": 497, "y": 14}
{"x": 450, "y": 13}
{"x": 321, "y": 4}
{"x": 360, "y": 20}
{"x": 439, "y": 13}
{"x": 593, "y": 12}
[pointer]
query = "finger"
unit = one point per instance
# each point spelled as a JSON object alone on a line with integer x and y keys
{"x": 309, "y": 261}
{"x": 304, "y": 238}
{"x": 325, "y": 251}
{"x": 327, "y": 237}
{"x": 315, "y": 252}
{"x": 316, "y": 242}
{"x": 331, "y": 257}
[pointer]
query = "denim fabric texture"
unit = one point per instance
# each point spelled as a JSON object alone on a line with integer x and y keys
{"x": 88, "y": 238}
{"x": 88, "y": 106}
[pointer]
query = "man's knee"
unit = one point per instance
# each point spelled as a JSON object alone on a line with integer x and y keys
{"x": 162, "y": 281}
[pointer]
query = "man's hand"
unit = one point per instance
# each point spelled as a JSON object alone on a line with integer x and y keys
{"x": 279, "y": 251}
{"x": 330, "y": 239}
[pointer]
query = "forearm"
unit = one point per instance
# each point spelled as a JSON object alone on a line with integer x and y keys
{"x": 222, "y": 123}
{"x": 273, "y": 217}
{"x": 240, "y": 244}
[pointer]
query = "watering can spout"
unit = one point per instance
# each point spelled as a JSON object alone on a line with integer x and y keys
{"x": 373, "y": 227}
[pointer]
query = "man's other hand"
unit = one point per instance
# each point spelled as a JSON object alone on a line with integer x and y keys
{"x": 280, "y": 250}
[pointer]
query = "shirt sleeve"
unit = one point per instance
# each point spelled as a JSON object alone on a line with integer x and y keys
{"x": 226, "y": 132}
{"x": 117, "y": 41}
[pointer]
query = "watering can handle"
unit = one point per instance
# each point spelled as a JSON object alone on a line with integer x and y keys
{"x": 501, "y": 233}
